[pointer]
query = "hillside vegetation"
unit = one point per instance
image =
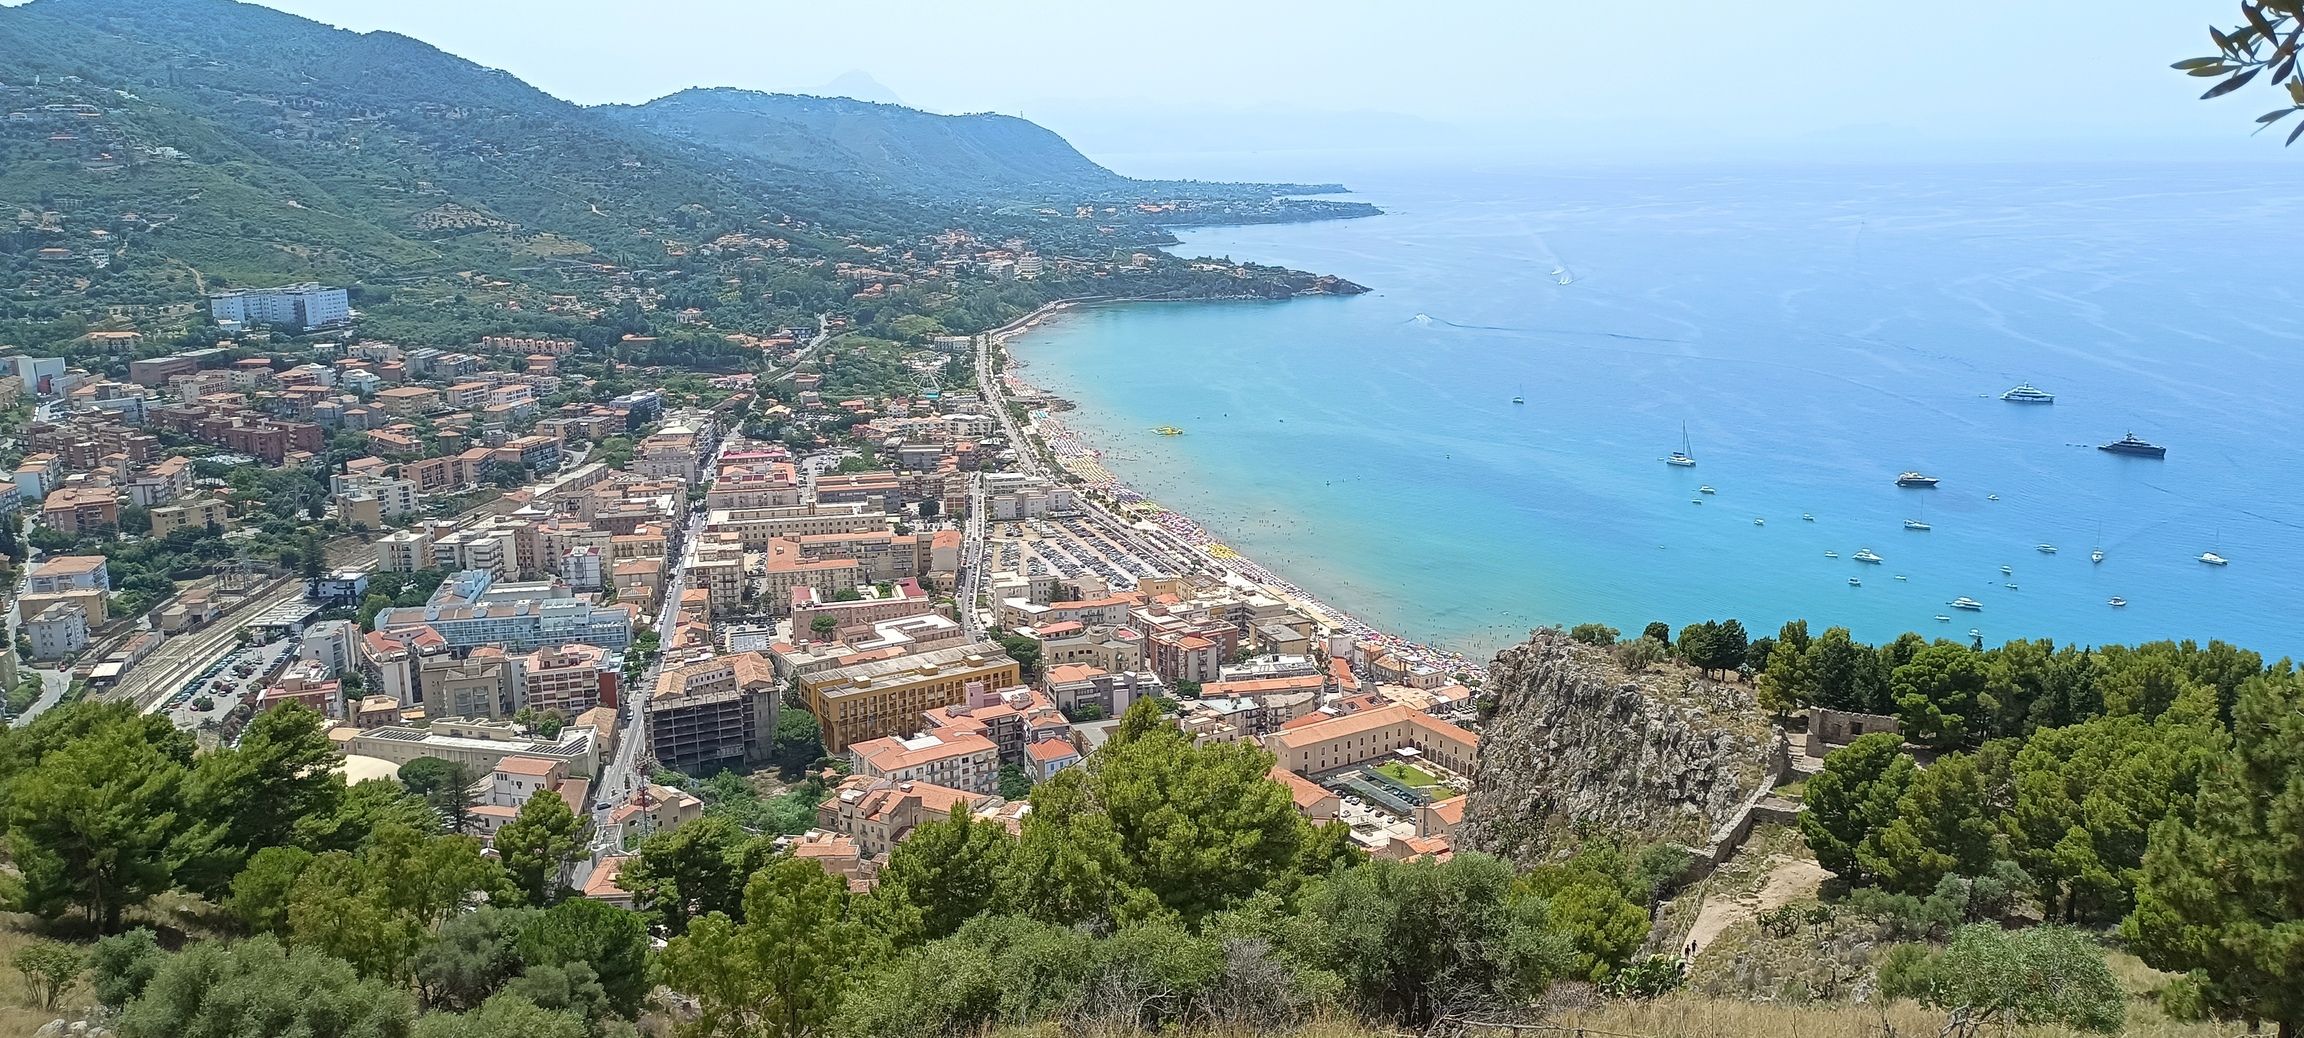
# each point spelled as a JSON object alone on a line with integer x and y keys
{"x": 168, "y": 147}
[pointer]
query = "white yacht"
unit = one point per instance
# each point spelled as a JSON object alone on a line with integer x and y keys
{"x": 1967, "y": 603}
{"x": 1865, "y": 555}
{"x": 1915, "y": 524}
{"x": 2045, "y": 549}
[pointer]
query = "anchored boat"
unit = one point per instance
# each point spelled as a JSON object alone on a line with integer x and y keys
{"x": 2130, "y": 445}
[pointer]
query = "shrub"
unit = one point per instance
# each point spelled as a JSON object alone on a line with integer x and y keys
{"x": 2047, "y": 975}
{"x": 1642, "y": 653}
{"x": 1652, "y": 977}
{"x": 1594, "y": 634}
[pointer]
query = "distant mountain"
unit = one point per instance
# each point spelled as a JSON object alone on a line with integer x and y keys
{"x": 153, "y": 149}
{"x": 858, "y": 84}
{"x": 881, "y": 144}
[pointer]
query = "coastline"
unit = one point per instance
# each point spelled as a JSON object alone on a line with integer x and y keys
{"x": 1067, "y": 450}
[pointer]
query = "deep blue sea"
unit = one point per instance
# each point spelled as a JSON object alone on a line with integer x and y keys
{"x": 1818, "y": 329}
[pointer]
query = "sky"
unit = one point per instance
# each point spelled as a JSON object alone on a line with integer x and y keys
{"x": 1592, "y": 76}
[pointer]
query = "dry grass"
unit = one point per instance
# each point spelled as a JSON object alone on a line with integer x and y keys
{"x": 1695, "y": 1016}
{"x": 17, "y": 1017}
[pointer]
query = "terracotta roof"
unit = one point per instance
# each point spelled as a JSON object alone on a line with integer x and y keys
{"x": 603, "y": 882}
{"x": 1048, "y": 751}
{"x": 526, "y": 766}
{"x": 1072, "y": 672}
{"x": 1308, "y": 794}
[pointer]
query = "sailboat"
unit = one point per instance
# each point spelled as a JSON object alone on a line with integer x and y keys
{"x": 1518, "y": 397}
{"x": 1681, "y": 458}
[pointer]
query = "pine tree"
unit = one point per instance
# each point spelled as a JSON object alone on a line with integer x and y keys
{"x": 538, "y": 843}
{"x": 2222, "y": 897}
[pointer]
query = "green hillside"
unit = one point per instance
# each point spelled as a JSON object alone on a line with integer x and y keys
{"x": 902, "y": 149}
{"x": 153, "y": 149}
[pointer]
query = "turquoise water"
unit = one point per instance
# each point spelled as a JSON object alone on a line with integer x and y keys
{"x": 1817, "y": 329}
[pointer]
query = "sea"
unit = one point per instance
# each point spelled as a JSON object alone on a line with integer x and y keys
{"x": 1815, "y": 329}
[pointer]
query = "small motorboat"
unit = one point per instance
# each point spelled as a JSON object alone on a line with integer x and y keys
{"x": 1915, "y": 524}
{"x": 2044, "y": 549}
{"x": 1759, "y": 522}
{"x": 1943, "y": 619}
{"x": 1991, "y": 497}
{"x": 1899, "y": 576}
{"x": 2011, "y": 587}
{"x": 1853, "y": 582}
{"x": 1695, "y": 500}
{"x": 2214, "y": 559}
{"x": 2006, "y": 569}
{"x": 1806, "y": 518}
{"x": 1706, "y": 490}
{"x": 1831, "y": 555}
{"x": 2117, "y": 602}
{"x": 1975, "y": 632}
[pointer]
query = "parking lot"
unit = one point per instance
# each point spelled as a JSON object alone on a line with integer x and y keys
{"x": 1071, "y": 547}
{"x": 226, "y": 683}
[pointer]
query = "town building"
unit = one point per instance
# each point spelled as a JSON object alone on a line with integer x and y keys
{"x": 59, "y": 630}
{"x": 878, "y": 814}
{"x": 306, "y": 306}
{"x": 476, "y": 743}
{"x": 956, "y": 759}
{"x": 569, "y": 679}
{"x": 471, "y": 609}
{"x": 888, "y": 697}
{"x": 1372, "y": 735}
{"x": 720, "y": 711}
{"x": 69, "y": 573}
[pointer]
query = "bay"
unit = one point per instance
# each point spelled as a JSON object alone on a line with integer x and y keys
{"x": 1818, "y": 329}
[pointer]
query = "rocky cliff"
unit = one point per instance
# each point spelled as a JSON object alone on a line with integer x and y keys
{"x": 1578, "y": 744}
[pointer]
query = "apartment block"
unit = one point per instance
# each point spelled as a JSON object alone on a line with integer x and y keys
{"x": 197, "y": 514}
{"x": 570, "y": 679}
{"x": 889, "y": 697}
{"x": 954, "y": 759}
{"x": 721, "y": 711}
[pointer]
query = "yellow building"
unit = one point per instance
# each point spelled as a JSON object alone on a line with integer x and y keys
{"x": 197, "y": 515}
{"x": 1374, "y": 734}
{"x": 887, "y": 697}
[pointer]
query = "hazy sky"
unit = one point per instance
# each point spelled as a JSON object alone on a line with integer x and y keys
{"x": 1217, "y": 74}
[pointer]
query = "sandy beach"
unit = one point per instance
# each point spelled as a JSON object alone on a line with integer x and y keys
{"x": 1072, "y": 452}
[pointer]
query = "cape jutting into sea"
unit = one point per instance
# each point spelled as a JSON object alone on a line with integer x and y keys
{"x": 1816, "y": 331}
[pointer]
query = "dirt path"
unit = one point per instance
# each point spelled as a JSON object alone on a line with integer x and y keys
{"x": 1788, "y": 880}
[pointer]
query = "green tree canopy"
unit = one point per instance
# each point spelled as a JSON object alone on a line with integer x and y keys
{"x": 257, "y": 989}
{"x": 538, "y": 844}
{"x": 2222, "y": 896}
{"x": 781, "y": 972}
{"x": 1853, "y": 799}
{"x": 947, "y": 872}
